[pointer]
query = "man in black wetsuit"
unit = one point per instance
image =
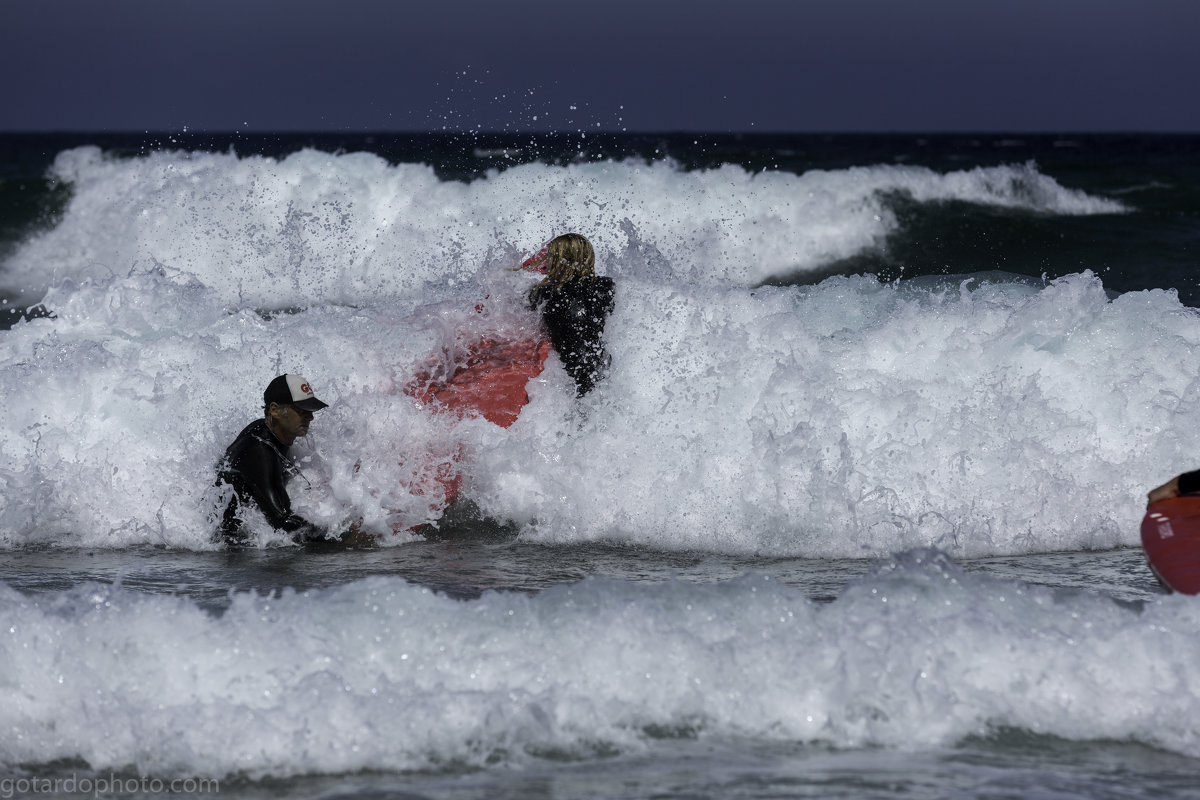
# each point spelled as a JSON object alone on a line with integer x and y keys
{"x": 575, "y": 305}
{"x": 258, "y": 467}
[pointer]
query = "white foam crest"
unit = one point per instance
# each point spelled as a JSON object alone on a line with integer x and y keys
{"x": 382, "y": 675}
{"x": 315, "y": 227}
{"x": 843, "y": 419}
{"x": 1013, "y": 186}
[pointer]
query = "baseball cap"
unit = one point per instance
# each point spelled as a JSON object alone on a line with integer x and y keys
{"x": 294, "y": 389}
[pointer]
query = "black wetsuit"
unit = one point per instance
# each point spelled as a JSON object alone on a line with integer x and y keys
{"x": 258, "y": 468}
{"x": 575, "y": 314}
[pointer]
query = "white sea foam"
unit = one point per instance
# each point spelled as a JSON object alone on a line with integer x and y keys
{"x": 858, "y": 418}
{"x": 842, "y": 419}
{"x": 847, "y": 418}
{"x": 379, "y": 674}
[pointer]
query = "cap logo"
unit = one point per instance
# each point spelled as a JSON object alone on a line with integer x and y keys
{"x": 304, "y": 387}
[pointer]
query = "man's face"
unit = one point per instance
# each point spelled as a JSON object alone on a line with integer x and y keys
{"x": 289, "y": 422}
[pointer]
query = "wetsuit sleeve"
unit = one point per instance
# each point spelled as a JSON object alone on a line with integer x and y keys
{"x": 1189, "y": 482}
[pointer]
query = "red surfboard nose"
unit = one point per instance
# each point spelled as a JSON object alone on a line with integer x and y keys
{"x": 1171, "y": 539}
{"x": 536, "y": 262}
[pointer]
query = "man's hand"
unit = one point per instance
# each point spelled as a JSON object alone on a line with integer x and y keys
{"x": 1166, "y": 491}
{"x": 358, "y": 539}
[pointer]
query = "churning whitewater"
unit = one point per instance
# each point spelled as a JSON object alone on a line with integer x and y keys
{"x": 983, "y": 414}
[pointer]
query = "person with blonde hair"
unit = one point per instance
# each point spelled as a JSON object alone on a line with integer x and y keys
{"x": 575, "y": 303}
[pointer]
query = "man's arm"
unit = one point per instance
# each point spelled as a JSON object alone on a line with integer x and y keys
{"x": 259, "y": 474}
{"x": 1187, "y": 483}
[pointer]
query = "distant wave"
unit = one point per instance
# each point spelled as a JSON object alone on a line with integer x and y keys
{"x": 315, "y": 227}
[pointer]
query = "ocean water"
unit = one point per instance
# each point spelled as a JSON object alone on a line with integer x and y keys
{"x": 854, "y": 514}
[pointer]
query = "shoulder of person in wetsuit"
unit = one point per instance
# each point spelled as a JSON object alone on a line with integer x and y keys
{"x": 583, "y": 300}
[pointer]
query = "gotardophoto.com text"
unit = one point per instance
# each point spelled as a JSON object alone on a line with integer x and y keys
{"x": 105, "y": 786}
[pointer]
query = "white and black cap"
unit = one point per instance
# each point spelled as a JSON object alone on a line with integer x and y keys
{"x": 293, "y": 389}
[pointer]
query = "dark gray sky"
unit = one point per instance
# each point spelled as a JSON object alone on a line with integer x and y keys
{"x": 640, "y": 65}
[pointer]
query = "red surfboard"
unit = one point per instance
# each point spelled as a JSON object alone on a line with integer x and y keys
{"x": 488, "y": 381}
{"x": 1171, "y": 539}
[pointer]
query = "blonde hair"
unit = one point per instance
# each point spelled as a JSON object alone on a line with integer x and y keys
{"x": 568, "y": 257}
